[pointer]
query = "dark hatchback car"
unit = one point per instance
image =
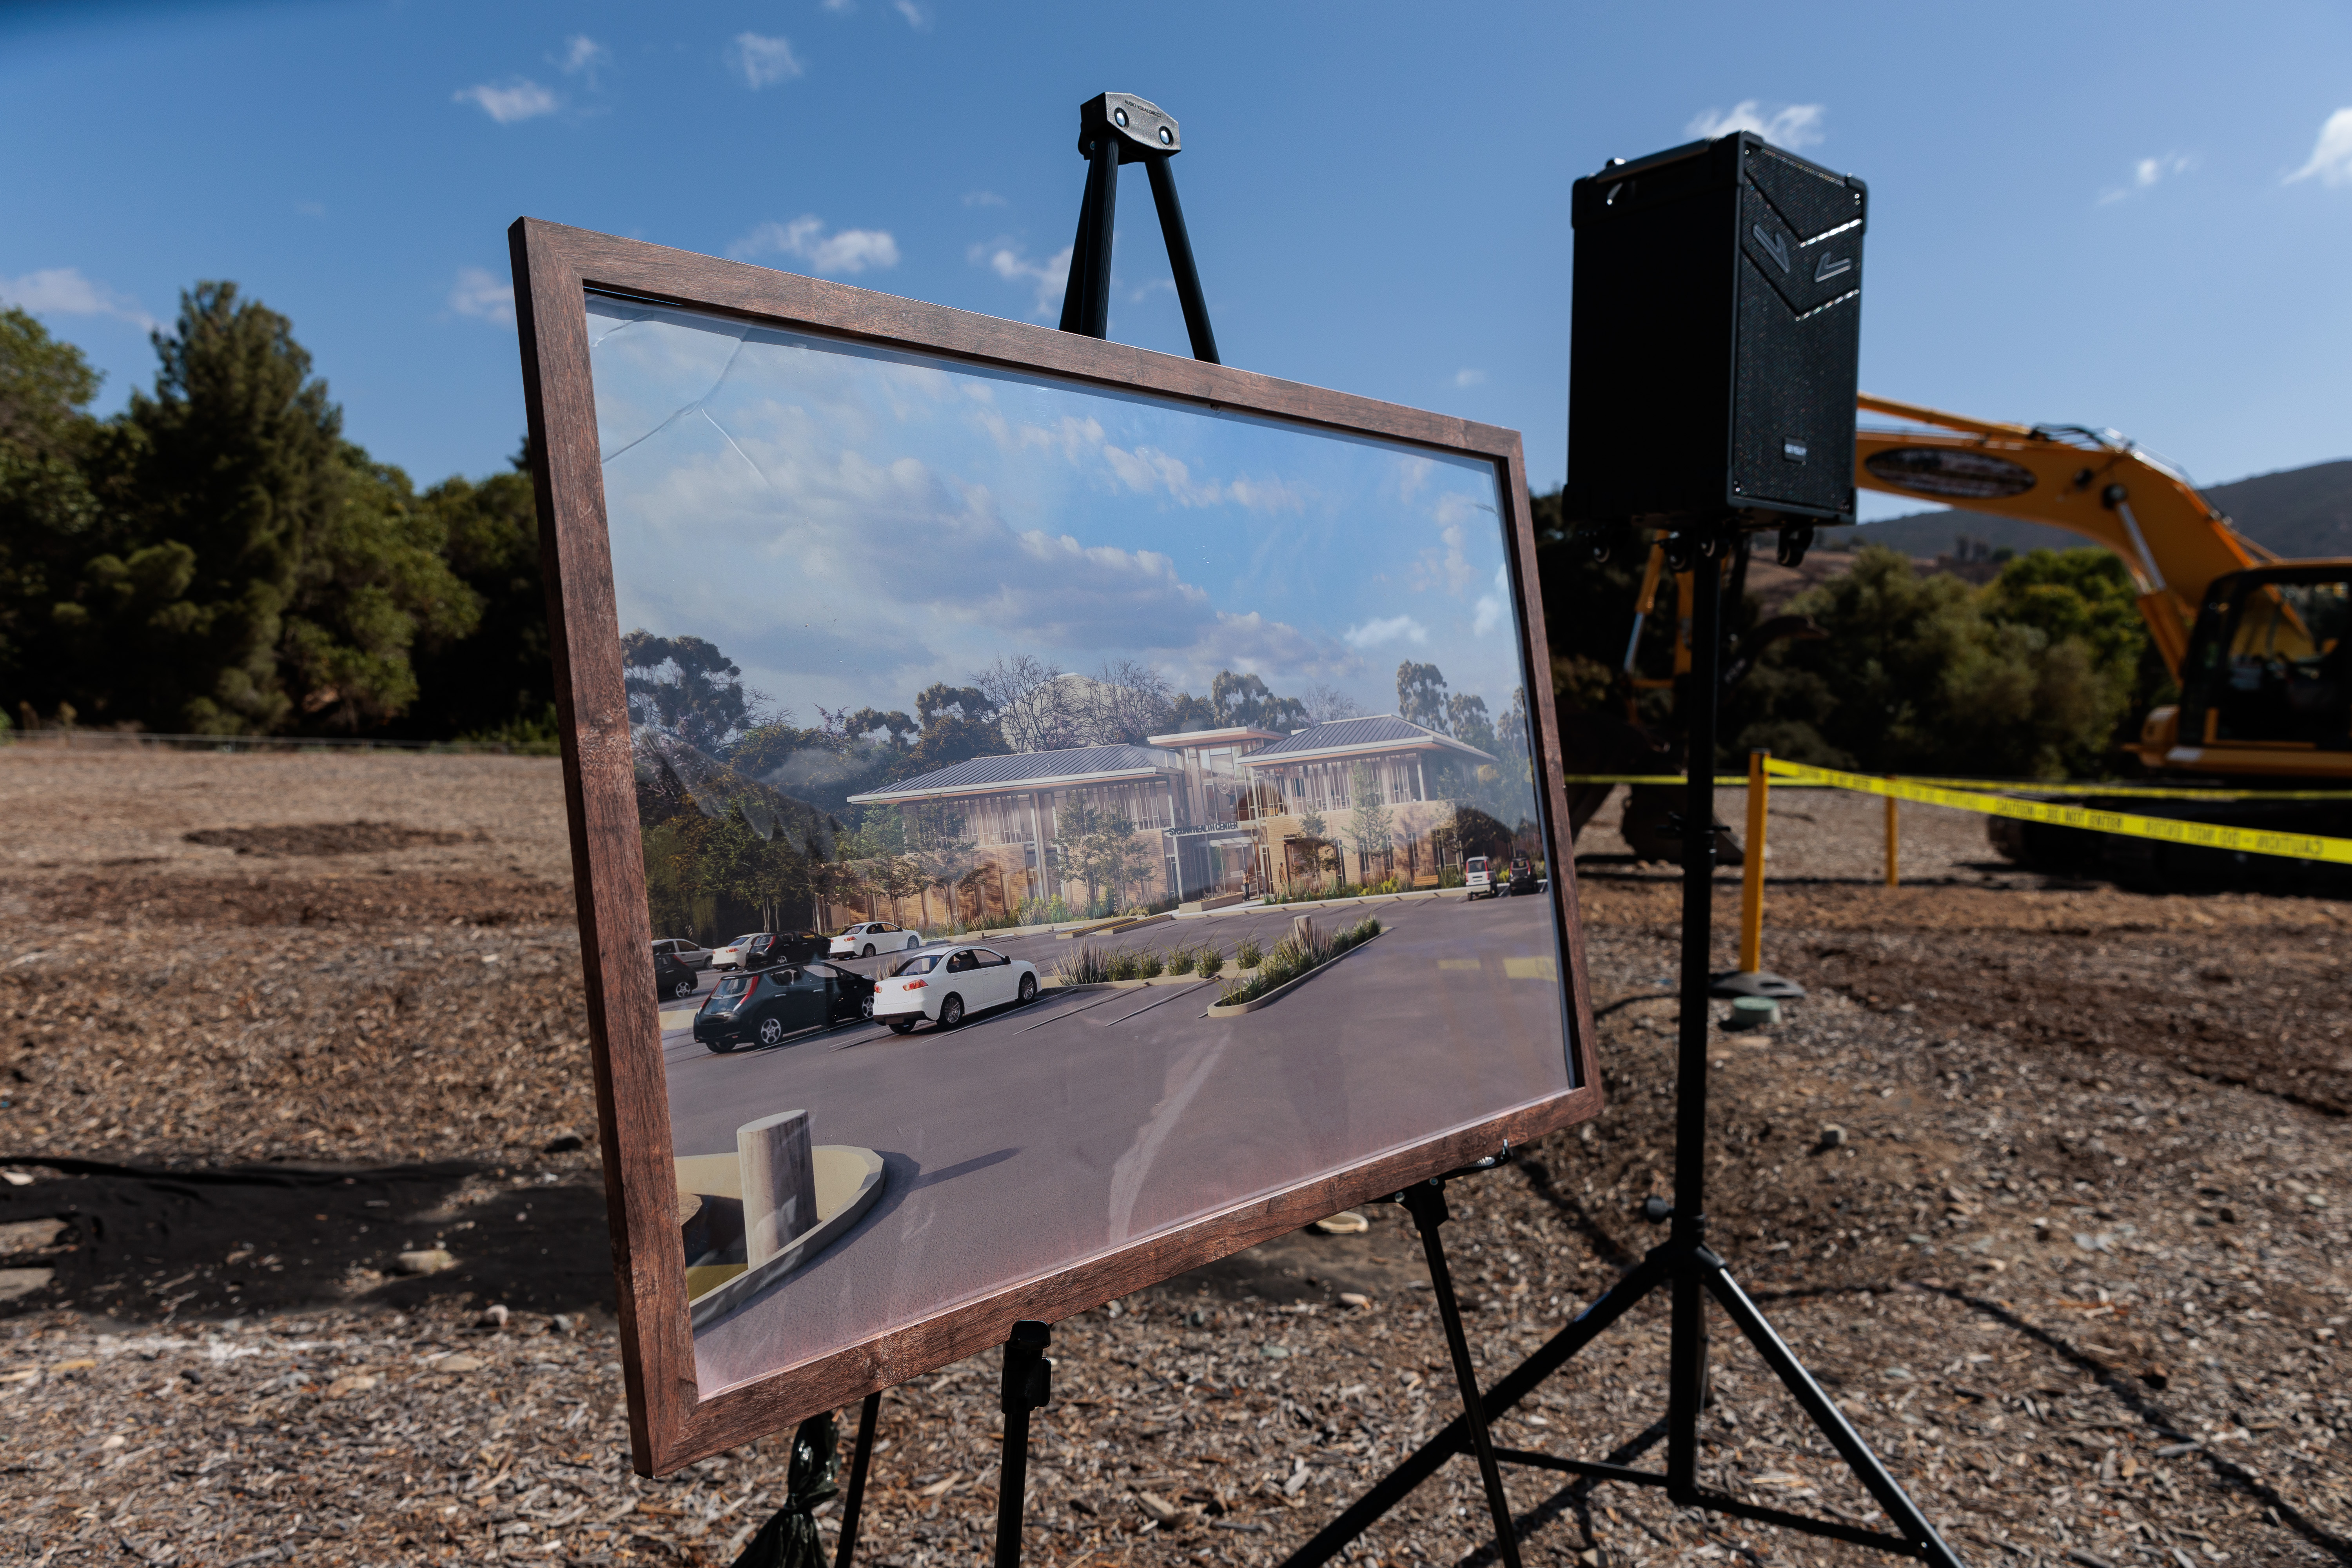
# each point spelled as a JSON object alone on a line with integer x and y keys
{"x": 671, "y": 976}
{"x": 770, "y": 1006}
{"x": 1523, "y": 876}
{"x": 773, "y": 948}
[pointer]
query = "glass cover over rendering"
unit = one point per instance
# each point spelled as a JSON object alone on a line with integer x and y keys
{"x": 1046, "y": 815}
{"x": 932, "y": 668}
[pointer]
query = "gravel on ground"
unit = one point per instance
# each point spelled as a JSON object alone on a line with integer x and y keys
{"x": 2046, "y": 1180}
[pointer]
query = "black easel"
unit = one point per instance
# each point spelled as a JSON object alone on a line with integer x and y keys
{"x": 1684, "y": 1265}
{"x": 1117, "y": 128}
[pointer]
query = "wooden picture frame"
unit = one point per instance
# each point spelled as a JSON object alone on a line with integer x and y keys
{"x": 555, "y": 268}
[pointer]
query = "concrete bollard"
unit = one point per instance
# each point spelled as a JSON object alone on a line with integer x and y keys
{"x": 1302, "y": 931}
{"x": 779, "y": 1182}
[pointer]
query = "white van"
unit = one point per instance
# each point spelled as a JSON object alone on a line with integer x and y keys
{"x": 1477, "y": 878}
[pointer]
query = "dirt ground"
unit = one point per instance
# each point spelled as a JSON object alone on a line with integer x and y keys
{"x": 2046, "y": 1180}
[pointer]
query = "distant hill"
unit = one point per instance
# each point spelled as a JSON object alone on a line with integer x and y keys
{"x": 2295, "y": 511}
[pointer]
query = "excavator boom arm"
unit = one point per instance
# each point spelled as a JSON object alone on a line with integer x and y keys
{"x": 2092, "y": 483}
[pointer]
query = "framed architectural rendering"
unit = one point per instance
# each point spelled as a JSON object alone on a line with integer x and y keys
{"x": 1046, "y": 815}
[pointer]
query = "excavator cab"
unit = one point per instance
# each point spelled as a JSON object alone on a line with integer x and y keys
{"x": 2269, "y": 666}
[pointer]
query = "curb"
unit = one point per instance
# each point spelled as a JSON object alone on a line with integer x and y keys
{"x": 1222, "y": 1010}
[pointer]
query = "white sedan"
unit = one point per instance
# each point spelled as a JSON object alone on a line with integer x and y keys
{"x": 730, "y": 956}
{"x": 868, "y": 938}
{"x": 948, "y": 985}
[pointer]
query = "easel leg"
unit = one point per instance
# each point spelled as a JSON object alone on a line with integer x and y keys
{"x": 853, "y": 1501}
{"x": 1028, "y": 1385}
{"x": 1426, "y": 1204}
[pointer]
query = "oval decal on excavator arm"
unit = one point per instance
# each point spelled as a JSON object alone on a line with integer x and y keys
{"x": 1955, "y": 475}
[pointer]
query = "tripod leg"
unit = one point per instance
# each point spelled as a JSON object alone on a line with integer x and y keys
{"x": 1890, "y": 1497}
{"x": 854, "y": 1502}
{"x": 1685, "y": 1384}
{"x": 1028, "y": 1385}
{"x": 1179, "y": 259}
{"x": 1426, "y": 1200}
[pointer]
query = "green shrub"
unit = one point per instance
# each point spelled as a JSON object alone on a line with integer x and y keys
{"x": 1209, "y": 962}
{"x": 1126, "y": 964}
{"x": 1180, "y": 960}
{"x": 1148, "y": 963}
{"x": 1249, "y": 955}
{"x": 1293, "y": 957}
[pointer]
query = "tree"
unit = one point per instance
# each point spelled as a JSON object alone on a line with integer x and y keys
{"x": 1322, "y": 854}
{"x": 1247, "y": 699}
{"x": 956, "y": 724}
{"x": 1421, "y": 696}
{"x": 48, "y": 514}
{"x": 1466, "y": 720}
{"x": 686, "y": 687}
{"x": 498, "y": 681}
{"x": 1914, "y": 676}
{"x": 1371, "y": 829}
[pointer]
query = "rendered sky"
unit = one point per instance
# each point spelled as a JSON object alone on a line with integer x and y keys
{"x": 851, "y": 526}
{"x": 2133, "y": 215}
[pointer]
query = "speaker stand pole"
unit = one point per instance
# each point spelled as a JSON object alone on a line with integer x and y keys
{"x": 1683, "y": 1265}
{"x": 1027, "y": 1385}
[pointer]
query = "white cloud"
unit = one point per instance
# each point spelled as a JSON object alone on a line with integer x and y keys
{"x": 1051, "y": 277}
{"x": 2331, "y": 158}
{"x": 850, "y": 250}
{"x": 916, "y": 17}
{"x": 523, "y": 100}
{"x": 1388, "y": 629}
{"x": 584, "y": 56}
{"x": 841, "y": 8}
{"x": 483, "y": 295}
{"x": 1490, "y": 611}
{"x": 1794, "y": 126}
{"x": 983, "y": 199}
{"x": 763, "y": 60}
{"x": 64, "y": 291}
{"x": 2147, "y": 173}
{"x": 1468, "y": 377}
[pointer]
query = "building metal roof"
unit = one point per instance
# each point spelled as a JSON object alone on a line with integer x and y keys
{"x": 1229, "y": 735}
{"x": 1029, "y": 770}
{"x": 1356, "y": 737}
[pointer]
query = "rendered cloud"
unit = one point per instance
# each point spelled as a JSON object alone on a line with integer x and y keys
{"x": 1381, "y": 633}
{"x": 849, "y": 250}
{"x": 1491, "y": 609}
{"x": 2331, "y": 158}
{"x": 522, "y": 99}
{"x": 1468, "y": 377}
{"x": 916, "y": 17}
{"x": 483, "y": 295}
{"x": 64, "y": 291}
{"x": 764, "y": 60}
{"x": 1794, "y": 126}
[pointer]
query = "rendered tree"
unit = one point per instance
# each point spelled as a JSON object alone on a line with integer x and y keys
{"x": 1371, "y": 830}
{"x": 1322, "y": 854}
{"x": 1421, "y": 696}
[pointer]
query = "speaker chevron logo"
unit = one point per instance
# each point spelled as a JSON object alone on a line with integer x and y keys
{"x": 1831, "y": 267}
{"x": 1775, "y": 245}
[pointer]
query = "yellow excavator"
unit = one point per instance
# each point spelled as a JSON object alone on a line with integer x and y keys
{"x": 2257, "y": 644}
{"x": 2260, "y": 648}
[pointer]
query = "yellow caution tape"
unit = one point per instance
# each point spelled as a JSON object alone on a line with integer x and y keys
{"x": 2012, "y": 786}
{"x": 2203, "y": 834}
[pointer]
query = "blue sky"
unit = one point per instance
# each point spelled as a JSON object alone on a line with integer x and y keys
{"x": 851, "y": 526}
{"x": 2134, "y": 215}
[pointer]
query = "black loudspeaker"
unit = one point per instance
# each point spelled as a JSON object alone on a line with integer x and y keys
{"x": 1717, "y": 323}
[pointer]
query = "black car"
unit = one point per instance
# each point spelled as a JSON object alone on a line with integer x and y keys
{"x": 768, "y": 1006}
{"x": 772, "y": 948}
{"x": 671, "y": 976}
{"x": 1523, "y": 876}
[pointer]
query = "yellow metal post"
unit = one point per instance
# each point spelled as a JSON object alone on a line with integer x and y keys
{"x": 1892, "y": 844}
{"x": 1751, "y": 877}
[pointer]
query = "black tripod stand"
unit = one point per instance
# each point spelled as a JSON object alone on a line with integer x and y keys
{"x": 1683, "y": 1265}
{"x": 1113, "y": 128}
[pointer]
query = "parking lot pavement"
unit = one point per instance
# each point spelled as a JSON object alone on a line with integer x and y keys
{"x": 1035, "y": 1136}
